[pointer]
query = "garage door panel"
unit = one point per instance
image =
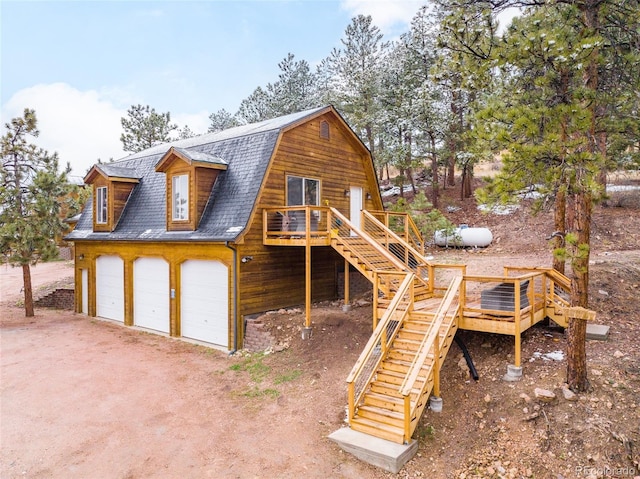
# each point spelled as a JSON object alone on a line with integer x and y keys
{"x": 151, "y": 302}
{"x": 110, "y": 287}
{"x": 204, "y": 305}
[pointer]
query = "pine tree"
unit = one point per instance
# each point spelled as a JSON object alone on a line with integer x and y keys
{"x": 32, "y": 193}
{"x": 145, "y": 128}
{"x": 221, "y": 120}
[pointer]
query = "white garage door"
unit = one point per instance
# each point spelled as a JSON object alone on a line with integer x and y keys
{"x": 151, "y": 294}
{"x": 204, "y": 303}
{"x": 110, "y": 287}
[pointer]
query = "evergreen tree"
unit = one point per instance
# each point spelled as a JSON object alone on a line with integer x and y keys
{"x": 32, "y": 193}
{"x": 256, "y": 107}
{"x": 144, "y": 128}
{"x": 222, "y": 120}
{"x": 555, "y": 121}
{"x": 355, "y": 70}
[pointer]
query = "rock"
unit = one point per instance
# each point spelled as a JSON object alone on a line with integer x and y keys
{"x": 544, "y": 395}
{"x": 596, "y": 372}
{"x": 487, "y": 398}
{"x": 569, "y": 395}
{"x": 618, "y": 354}
{"x": 603, "y": 292}
{"x": 525, "y": 397}
{"x": 485, "y": 345}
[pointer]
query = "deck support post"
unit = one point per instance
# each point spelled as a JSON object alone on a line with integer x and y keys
{"x": 346, "y": 306}
{"x": 514, "y": 373}
{"x": 435, "y": 403}
{"x": 306, "y": 332}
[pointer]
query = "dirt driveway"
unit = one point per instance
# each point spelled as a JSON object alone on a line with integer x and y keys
{"x": 84, "y": 398}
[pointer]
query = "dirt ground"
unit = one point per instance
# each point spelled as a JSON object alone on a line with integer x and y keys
{"x": 86, "y": 398}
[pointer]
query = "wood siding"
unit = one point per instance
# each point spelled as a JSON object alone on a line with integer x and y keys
{"x": 120, "y": 193}
{"x": 275, "y": 277}
{"x": 205, "y": 178}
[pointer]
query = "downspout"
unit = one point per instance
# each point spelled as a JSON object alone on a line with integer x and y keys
{"x": 235, "y": 295}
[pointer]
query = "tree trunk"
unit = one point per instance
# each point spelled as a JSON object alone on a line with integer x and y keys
{"x": 465, "y": 186}
{"x": 576, "y": 355}
{"x": 434, "y": 172}
{"x": 559, "y": 217}
{"x": 577, "y": 330}
{"x": 28, "y": 292}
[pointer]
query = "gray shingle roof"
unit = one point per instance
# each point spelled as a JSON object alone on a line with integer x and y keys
{"x": 200, "y": 157}
{"x": 115, "y": 171}
{"x": 246, "y": 149}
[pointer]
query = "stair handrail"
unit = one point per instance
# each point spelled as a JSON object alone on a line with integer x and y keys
{"x": 409, "y": 227}
{"x": 405, "y": 289}
{"x": 346, "y": 223}
{"x": 429, "y": 339}
{"x": 417, "y": 254}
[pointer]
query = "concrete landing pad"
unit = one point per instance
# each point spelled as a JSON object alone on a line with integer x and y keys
{"x": 597, "y": 331}
{"x": 387, "y": 455}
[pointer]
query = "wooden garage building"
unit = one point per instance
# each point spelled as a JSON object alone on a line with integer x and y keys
{"x": 172, "y": 240}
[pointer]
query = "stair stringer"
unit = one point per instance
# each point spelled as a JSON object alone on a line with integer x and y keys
{"x": 447, "y": 332}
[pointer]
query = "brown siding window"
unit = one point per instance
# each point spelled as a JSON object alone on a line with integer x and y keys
{"x": 324, "y": 130}
{"x": 101, "y": 205}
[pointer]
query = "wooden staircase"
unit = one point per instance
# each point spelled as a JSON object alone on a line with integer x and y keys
{"x": 389, "y": 386}
{"x": 381, "y": 411}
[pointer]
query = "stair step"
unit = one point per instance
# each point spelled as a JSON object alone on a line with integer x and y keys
{"x": 392, "y": 377}
{"x": 392, "y": 390}
{"x": 401, "y": 354}
{"x": 377, "y": 429}
{"x": 383, "y": 401}
{"x": 380, "y": 415}
{"x": 402, "y": 367}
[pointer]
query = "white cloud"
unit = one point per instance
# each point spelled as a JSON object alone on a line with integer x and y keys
{"x": 197, "y": 122}
{"x": 81, "y": 126}
{"x": 385, "y": 14}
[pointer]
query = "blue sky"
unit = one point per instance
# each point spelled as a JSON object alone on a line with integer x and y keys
{"x": 81, "y": 64}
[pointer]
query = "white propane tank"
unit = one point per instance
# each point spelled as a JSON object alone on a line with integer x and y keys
{"x": 463, "y": 236}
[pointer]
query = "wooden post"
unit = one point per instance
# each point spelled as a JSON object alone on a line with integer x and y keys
{"x": 518, "y": 332}
{"x": 576, "y": 333}
{"x": 375, "y": 300}
{"x": 436, "y": 366}
{"x": 407, "y": 418}
{"x": 128, "y": 291}
{"x": 346, "y": 282}
{"x": 352, "y": 405}
{"x": 307, "y": 260}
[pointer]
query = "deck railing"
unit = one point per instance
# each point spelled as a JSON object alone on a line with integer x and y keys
{"x": 360, "y": 242}
{"x": 385, "y": 237}
{"x": 556, "y": 289}
{"x": 382, "y": 337}
{"x": 295, "y": 224}
{"x": 430, "y": 345}
{"x": 403, "y": 225}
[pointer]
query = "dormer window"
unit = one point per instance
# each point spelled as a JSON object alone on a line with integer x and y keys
{"x": 112, "y": 186}
{"x": 180, "y": 203}
{"x": 101, "y": 205}
{"x": 190, "y": 176}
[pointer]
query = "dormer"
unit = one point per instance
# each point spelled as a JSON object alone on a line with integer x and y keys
{"x": 190, "y": 177}
{"x": 112, "y": 186}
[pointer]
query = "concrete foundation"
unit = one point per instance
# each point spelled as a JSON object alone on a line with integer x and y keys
{"x": 514, "y": 373}
{"x": 435, "y": 404}
{"x": 381, "y": 453}
{"x": 346, "y": 308}
{"x": 306, "y": 333}
{"x": 597, "y": 331}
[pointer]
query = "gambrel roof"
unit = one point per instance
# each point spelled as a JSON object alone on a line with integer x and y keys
{"x": 246, "y": 152}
